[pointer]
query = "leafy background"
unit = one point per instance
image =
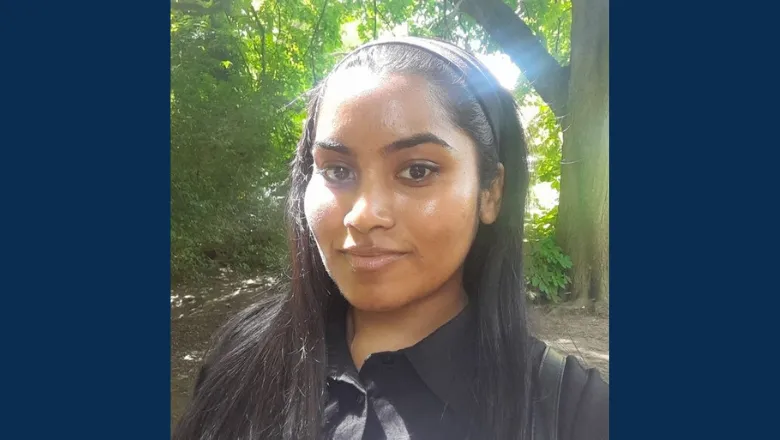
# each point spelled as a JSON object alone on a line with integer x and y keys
{"x": 239, "y": 73}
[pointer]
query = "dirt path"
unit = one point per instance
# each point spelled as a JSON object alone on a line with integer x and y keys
{"x": 197, "y": 313}
{"x": 575, "y": 332}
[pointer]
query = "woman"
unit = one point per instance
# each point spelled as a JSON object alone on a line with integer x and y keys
{"x": 405, "y": 318}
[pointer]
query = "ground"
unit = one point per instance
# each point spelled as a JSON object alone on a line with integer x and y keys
{"x": 197, "y": 312}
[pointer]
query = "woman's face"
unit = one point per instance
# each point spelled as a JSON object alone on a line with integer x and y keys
{"x": 393, "y": 198}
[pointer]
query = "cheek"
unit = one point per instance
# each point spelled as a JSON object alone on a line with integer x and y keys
{"x": 321, "y": 209}
{"x": 447, "y": 221}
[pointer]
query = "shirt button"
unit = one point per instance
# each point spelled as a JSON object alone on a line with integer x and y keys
{"x": 360, "y": 399}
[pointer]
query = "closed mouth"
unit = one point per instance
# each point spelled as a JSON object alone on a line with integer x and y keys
{"x": 372, "y": 259}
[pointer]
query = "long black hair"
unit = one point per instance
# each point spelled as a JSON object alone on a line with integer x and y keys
{"x": 264, "y": 377}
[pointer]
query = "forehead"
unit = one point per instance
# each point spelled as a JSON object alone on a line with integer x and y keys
{"x": 359, "y": 103}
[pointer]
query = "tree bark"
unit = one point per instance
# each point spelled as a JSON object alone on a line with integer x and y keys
{"x": 583, "y": 213}
{"x": 549, "y": 78}
{"x": 579, "y": 96}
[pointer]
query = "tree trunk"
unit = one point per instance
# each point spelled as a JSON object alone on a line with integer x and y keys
{"x": 517, "y": 40}
{"x": 583, "y": 213}
{"x": 579, "y": 96}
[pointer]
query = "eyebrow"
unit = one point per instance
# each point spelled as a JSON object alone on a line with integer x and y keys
{"x": 400, "y": 144}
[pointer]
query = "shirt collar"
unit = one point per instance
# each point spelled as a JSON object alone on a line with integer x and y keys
{"x": 340, "y": 365}
{"x": 445, "y": 360}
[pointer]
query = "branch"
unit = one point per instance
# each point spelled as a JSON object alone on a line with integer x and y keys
{"x": 262, "y": 36}
{"x": 311, "y": 42}
{"x": 549, "y": 79}
{"x": 460, "y": 23}
{"x": 316, "y": 28}
{"x": 238, "y": 48}
{"x": 454, "y": 11}
{"x": 444, "y": 20}
{"x": 387, "y": 23}
{"x": 263, "y": 49}
{"x": 382, "y": 17}
{"x": 196, "y": 8}
{"x": 278, "y": 18}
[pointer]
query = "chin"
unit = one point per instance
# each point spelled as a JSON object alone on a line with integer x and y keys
{"x": 376, "y": 299}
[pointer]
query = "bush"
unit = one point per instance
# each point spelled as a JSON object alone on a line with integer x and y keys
{"x": 546, "y": 265}
{"x": 242, "y": 243}
{"x": 232, "y": 137}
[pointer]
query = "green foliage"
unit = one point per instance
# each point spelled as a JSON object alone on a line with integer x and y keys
{"x": 546, "y": 265}
{"x": 550, "y": 20}
{"x": 238, "y": 69}
{"x": 545, "y": 140}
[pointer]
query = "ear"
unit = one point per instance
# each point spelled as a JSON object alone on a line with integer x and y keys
{"x": 490, "y": 200}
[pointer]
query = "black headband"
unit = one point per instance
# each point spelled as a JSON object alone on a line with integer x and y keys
{"x": 481, "y": 83}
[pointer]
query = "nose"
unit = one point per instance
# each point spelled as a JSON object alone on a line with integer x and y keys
{"x": 372, "y": 209}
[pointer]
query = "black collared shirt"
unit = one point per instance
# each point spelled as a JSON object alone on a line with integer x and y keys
{"x": 424, "y": 392}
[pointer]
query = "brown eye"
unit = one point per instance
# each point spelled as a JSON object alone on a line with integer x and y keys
{"x": 338, "y": 174}
{"x": 416, "y": 172}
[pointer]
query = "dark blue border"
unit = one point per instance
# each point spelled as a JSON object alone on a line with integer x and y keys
{"x": 85, "y": 174}
{"x": 693, "y": 258}
{"x": 86, "y": 177}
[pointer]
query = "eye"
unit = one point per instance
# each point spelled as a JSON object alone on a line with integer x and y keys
{"x": 417, "y": 172}
{"x": 338, "y": 174}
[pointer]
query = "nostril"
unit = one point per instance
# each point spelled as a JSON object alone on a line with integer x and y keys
{"x": 367, "y": 215}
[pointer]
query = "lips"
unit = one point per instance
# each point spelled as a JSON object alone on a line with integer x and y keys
{"x": 371, "y": 259}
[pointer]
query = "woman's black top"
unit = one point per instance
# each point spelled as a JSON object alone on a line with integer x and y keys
{"x": 424, "y": 392}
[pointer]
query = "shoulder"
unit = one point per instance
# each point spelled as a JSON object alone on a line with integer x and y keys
{"x": 583, "y": 409}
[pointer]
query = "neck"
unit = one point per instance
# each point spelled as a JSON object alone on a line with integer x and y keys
{"x": 374, "y": 332}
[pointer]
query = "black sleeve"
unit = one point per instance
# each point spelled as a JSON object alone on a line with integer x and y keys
{"x": 584, "y": 405}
